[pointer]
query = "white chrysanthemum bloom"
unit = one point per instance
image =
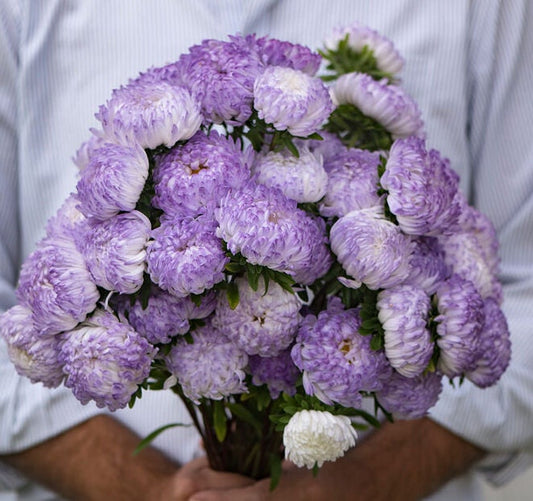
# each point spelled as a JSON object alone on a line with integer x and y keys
{"x": 386, "y": 103}
{"x": 151, "y": 113}
{"x": 264, "y": 322}
{"x": 291, "y": 100}
{"x": 388, "y": 59}
{"x": 301, "y": 178}
{"x": 316, "y": 436}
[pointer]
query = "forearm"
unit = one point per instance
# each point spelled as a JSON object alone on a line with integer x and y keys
{"x": 95, "y": 461}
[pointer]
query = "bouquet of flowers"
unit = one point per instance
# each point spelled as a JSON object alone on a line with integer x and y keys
{"x": 272, "y": 246}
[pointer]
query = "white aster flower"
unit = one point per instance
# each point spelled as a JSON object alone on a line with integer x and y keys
{"x": 316, "y": 436}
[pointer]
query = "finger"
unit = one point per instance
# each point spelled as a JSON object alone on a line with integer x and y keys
{"x": 250, "y": 493}
{"x": 225, "y": 480}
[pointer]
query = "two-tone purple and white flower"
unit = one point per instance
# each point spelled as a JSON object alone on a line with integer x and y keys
{"x": 278, "y": 372}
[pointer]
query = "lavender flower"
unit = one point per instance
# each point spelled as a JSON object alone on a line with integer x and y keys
{"x": 494, "y": 350}
{"x": 67, "y": 221}
{"x": 278, "y": 372}
{"x": 312, "y": 437}
{"x": 115, "y": 251}
{"x": 427, "y": 268}
{"x": 352, "y": 182}
{"x": 105, "y": 360}
{"x": 404, "y": 313}
{"x": 289, "y": 55}
{"x": 150, "y": 113}
{"x": 221, "y": 75}
{"x": 386, "y": 103}
{"x": 371, "y": 249}
{"x": 211, "y": 367}
{"x": 459, "y": 323}
{"x": 86, "y": 150}
{"x": 410, "y": 397}
{"x": 185, "y": 257}
{"x": 388, "y": 59}
{"x": 268, "y": 229}
{"x": 337, "y": 362}
{"x": 328, "y": 147}
{"x": 264, "y": 322}
{"x": 301, "y": 178}
{"x": 191, "y": 179}
{"x": 422, "y": 188}
{"x": 291, "y": 100}
{"x": 112, "y": 181}
{"x": 33, "y": 355}
{"x": 165, "y": 315}
{"x": 56, "y": 285}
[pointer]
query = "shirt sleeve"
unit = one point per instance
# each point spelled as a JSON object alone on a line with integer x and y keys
{"x": 501, "y": 131}
{"x": 29, "y": 413}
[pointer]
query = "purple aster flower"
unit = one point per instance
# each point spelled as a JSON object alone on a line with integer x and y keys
{"x": 190, "y": 179}
{"x": 291, "y": 100}
{"x": 221, "y": 75}
{"x": 105, "y": 360}
{"x": 185, "y": 257}
{"x": 112, "y": 181}
{"x": 388, "y": 59}
{"x": 279, "y": 373}
{"x": 211, "y": 367}
{"x": 264, "y": 322}
{"x": 301, "y": 178}
{"x": 150, "y": 113}
{"x": 404, "y": 313}
{"x": 352, "y": 182}
{"x": 275, "y": 52}
{"x": 459, "y": 322}
{"x": 33, "y": 355}
{"x": 115, "y": 251}
{"x": 386, "y": 103}
{"x": 410, "y": 397}
{"x": 268, "y": 229}
{"x": 56, "y": 285}
{"x": 371, "y": 249}
{"x": 85, "y": 151}
{"x": 494, "y": 350}
{"x": 427, "y": 268}
{"x": 422, "y": 188}
{"x": 67, "y": 221}
{"x": 328, "y": 147}
{"x": 337, "y": 362}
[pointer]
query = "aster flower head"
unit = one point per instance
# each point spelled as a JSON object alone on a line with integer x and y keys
{"x": 327, "y": 147}
{"x": 291, "y": 100}
{"x": 268, "y": 229}
{"x": 67, "y": 220}
{"x": 221, "y": 74}
{"x": 301, "y": 178}
{"x": 352, "y": 182}
{"x": 34, "y": 356}
{"x": 387, "y": 104}
{"x": 185, "y": 257}
{"x": 410, "y": 397}
{"x": 388, "y": 59}
{"x": 371, "y": 249}
{"x": 150, "y": 113}
{"x": 190, "y": 179}
{"x": 459, "y": 322}
{"x": 210, "y": 367}
{"x": 422, "y": 188}
{"x": 427, "y": 267}
{"x": 337, "y": 362}
{"x": 115, "y": 251}
{"x": 278, "y": 372}
{"x": 275, "y": 52}
{"x": 403, "y": 312}
{"x": 85, "y": 152}
{"x": 494, "y": 349}
{"x": 264, "y": 322}
{"x": 313, "y": 437}
{"x": 56, "y": 285}
{"x": 105, "y": 360}
{"x": 112, "y": 181}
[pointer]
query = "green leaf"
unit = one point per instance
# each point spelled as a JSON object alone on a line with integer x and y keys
{"x": 376, "y": 343}
{"x": 148, "y": 439}
{"x": 243, "y": 413}
{"x": 220, "y": 420}
{"x": 315, "y": 470}
{"x": 232, "y": 292}
{"x": 275, "y": 471}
